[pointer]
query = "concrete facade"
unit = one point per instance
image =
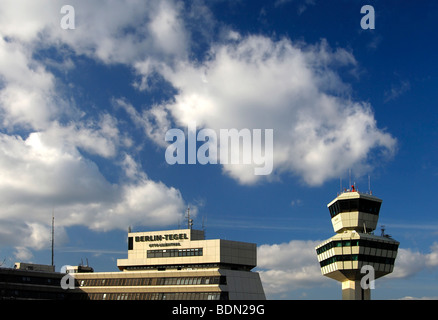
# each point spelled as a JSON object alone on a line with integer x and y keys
{"x": 177, "y": 265}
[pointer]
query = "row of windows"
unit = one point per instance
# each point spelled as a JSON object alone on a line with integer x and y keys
{"x": 356, "y": 257}
{"x": 10, "y": 294}
{"x": 26, "y": 294}
{"x": 191, "y": 266}
{"x": 174, "y": 253}
{"x": 175, "y": 266}
{"x": 362, "y": 205}
{"x": 164, "y": 281}
{"x": 158, "y": 296}
{"x": 357, "y": 242}
{"x": 9, "y": 278}
{"x": 191, "y": 280}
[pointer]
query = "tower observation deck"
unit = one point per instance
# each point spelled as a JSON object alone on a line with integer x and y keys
{"x": 355, "y": 248}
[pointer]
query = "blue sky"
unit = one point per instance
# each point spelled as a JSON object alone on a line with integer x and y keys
{"x": 84, "y": 113}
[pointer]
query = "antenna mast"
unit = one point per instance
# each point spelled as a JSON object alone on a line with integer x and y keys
{"x": 203, "y": 225}
{"x": 369, "y": 185}
{"x": 53, "y": 236}
{"x": 189, "y": 221}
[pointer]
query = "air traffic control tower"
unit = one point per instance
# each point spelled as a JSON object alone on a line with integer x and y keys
{"x": 355, "y": 252}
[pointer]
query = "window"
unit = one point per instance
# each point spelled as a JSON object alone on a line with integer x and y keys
{"x": 357, "y": 257}
{"x": 362, "y": 205}
{"x": 164, "y": 253}
{"x": 358, "y": 242}
{"x": 346, "y": 243}
{"x": 130, "y": 243}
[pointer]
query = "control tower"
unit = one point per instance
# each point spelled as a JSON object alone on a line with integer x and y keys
{"x": 355, "y": 251}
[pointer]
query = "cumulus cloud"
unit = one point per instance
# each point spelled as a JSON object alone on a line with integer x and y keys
{"x": 39, "y": 175}
{"x": 45, "y": 162}
{"x": 113, "y": 31}
{"x": 246, "y": 82}
{"x": 27, "y": 96}
{"x": 288, "y": 266}
{"x": 294, "y": 89}
{"x": 409, "y": 262}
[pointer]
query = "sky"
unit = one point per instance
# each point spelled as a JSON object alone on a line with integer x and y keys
{"x": 88, "y": 93}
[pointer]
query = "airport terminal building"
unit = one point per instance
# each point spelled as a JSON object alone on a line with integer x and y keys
{"x": 177, "y": 265}
{"x": 161, "y": 265}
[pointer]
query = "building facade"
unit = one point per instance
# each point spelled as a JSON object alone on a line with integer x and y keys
{"x": 177, "y": 265}
{"x": 31, "y": 282}
{"x": 161, "y": 265}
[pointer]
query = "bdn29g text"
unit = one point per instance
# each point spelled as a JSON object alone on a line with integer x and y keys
{"x": 238, "y": 309}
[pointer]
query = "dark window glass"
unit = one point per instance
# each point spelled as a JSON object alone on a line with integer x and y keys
{"x": 362, "y": 205}
{"x": 346, "y": 243}
{"x": 354, "y": 204}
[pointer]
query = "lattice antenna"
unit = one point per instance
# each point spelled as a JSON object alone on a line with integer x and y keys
{"x": 189, "y": 221}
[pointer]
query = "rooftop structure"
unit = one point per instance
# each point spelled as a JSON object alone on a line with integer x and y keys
{"x": 28, "y": 281}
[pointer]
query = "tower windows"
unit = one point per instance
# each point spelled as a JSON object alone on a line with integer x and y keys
{"x": 357, "y": 257}
{"x": 358, "y": 242}
{"x": 359, "y": 204}
{"x": 174, "y": 253}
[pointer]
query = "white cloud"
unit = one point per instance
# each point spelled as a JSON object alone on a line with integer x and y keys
{"x": 23, "y": 254}
{"x": 41, "y": 174}
{"x": 251, "y": 82}
{"x": 397, "y": 90}
{"x": 25, "y": 20}
{"x": 168, "y": 30}
{"x": 110, "y": 30}
{"x": 44, "y": 163}
{"x": 296, "y": 202}
{"x": 258, "y": 83}
{"x": 289, "y": 266}
{"x": 432, "y": 257}
{"x": 410, "y": 262}
{"x": 301, "y": 5}
{"x": 27, "y": 96}
{"x": 421, "y": 298}
{"x": 154, "y": 121}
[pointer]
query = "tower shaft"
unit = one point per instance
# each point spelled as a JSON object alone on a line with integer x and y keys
{"x": 352, "y": 290}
